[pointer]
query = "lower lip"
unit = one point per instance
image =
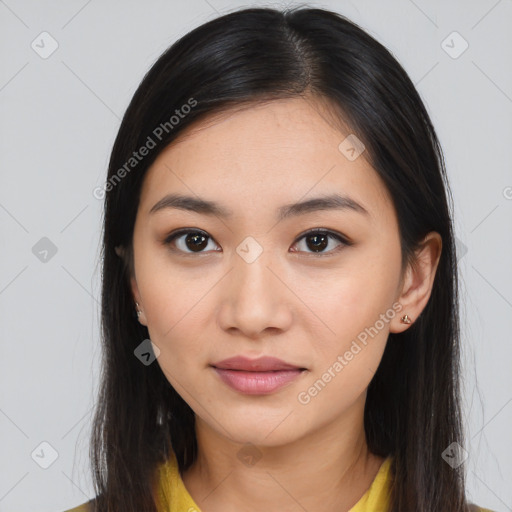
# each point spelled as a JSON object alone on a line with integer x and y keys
{"x": 257, "y": 383}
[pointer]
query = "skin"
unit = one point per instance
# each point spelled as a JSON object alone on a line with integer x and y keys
{"x": 290, "y": 303}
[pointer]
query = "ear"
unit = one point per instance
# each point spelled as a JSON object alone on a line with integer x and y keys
{"x": 136, "y": 296}
{"x": 418, "y": 280}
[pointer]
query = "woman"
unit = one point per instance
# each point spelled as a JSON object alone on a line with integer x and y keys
{"x": 280, "y": 298}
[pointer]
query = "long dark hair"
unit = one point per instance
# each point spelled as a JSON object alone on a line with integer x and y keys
{"x": 246, "y": 57}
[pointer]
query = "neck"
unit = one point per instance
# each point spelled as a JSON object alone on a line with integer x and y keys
{"x": 332, "y": 466}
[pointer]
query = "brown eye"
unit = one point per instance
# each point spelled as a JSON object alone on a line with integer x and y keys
{"x": 189, "y": 241}
{"x": 318, "y": 240}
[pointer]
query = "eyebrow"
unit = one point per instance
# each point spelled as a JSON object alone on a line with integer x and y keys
{"x": 205, "y": 207}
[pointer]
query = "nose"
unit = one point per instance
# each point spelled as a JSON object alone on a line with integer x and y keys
{"x": 256, "y": 297}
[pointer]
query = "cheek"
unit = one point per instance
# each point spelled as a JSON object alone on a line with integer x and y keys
{"x": 171, "y": 296}
{"x": 356, "y": 304}
{"x": 346, "y": 361}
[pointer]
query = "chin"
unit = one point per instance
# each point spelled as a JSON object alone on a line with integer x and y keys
{"x": 269, "y": 433}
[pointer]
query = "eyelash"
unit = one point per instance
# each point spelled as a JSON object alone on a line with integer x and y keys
{"x": 327, "y": 232}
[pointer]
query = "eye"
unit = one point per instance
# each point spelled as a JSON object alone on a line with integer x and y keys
{"x": 195, "y": 240}
{"x": 190, "y": 241}
{"x": 318, "y": 239}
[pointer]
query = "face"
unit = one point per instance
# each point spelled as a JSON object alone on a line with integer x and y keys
{"x": 256, "y": 279}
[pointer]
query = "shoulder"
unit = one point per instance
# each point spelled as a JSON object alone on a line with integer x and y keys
{"x": 84, "y": 507}
{"x": 476, "y": 508}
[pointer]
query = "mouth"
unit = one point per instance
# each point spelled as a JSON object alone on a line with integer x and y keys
{"x": 260, "y": 376}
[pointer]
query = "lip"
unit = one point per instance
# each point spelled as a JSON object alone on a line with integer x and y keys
{"x": 259, "y": 376}
{"x": 258, "y": 383}
{"x": 260, "y": 364}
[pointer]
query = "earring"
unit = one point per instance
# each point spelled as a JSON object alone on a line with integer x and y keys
{"x": 138, "y": 310}
{"x": 405, "y": 319}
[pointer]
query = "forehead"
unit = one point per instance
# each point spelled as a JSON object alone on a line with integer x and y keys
{"x": 274, "y": 153}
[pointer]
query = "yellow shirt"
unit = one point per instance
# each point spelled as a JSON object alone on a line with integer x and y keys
{"x": 175, "y": 497}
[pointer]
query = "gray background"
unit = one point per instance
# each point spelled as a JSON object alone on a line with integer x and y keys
{"x": 59, "y": 116}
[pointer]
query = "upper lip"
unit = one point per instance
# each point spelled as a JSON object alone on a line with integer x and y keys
{"x": 261, "y": 364}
